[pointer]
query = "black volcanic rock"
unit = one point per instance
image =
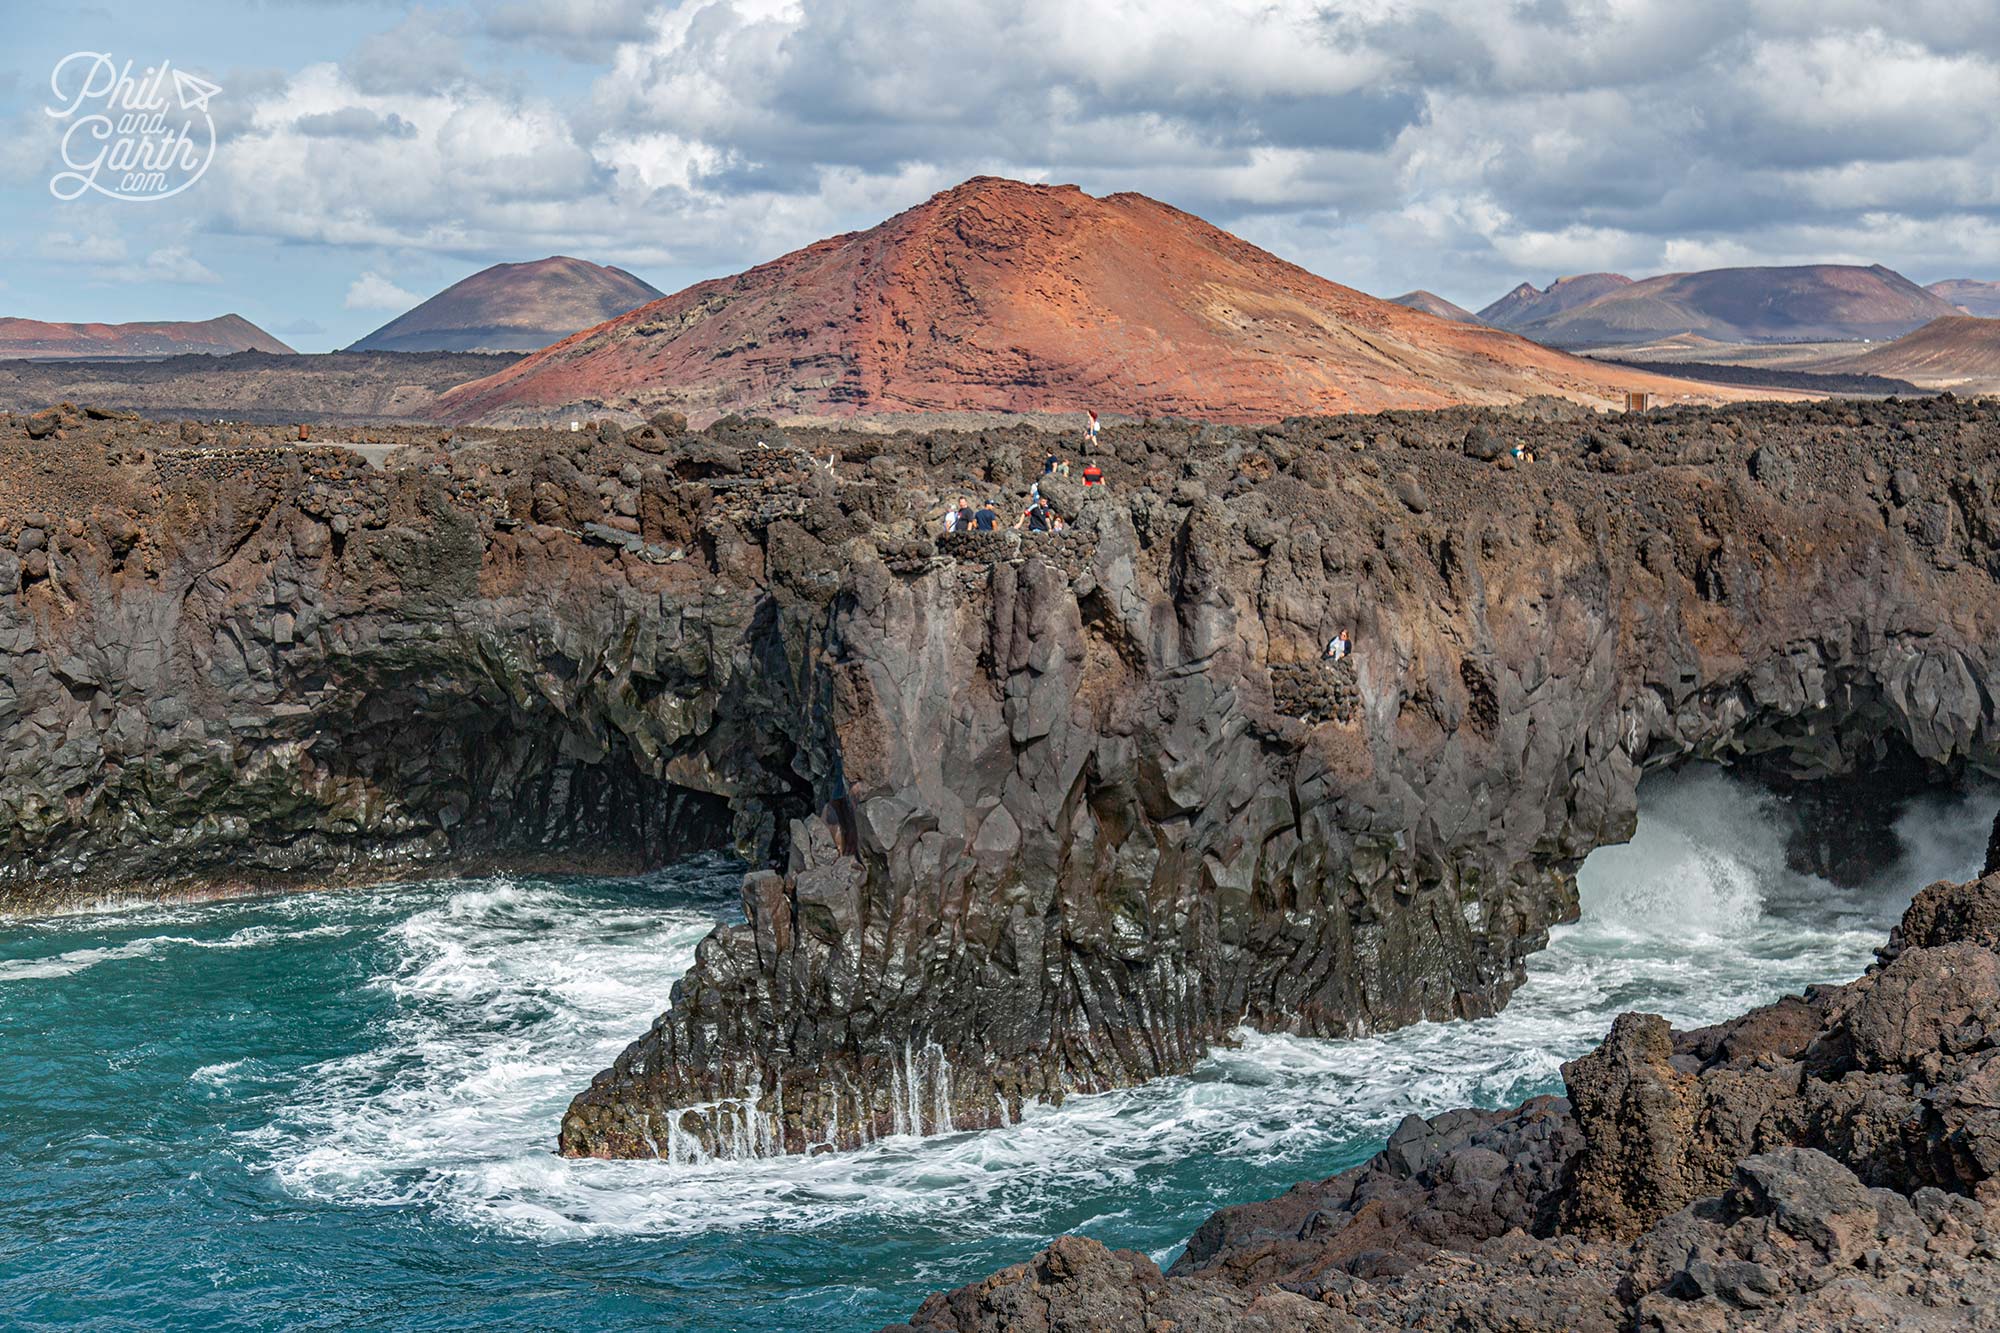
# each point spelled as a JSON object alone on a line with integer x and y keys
{"x": 1028, "y": 813}
{"x": 1790, "y": 1170}
{"x": 1444, "y": 1183}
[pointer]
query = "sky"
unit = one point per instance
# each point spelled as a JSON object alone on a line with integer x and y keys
{"x": 368, "y": 154}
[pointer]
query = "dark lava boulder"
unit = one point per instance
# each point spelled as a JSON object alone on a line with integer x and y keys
{"x": 1483, "y": 443}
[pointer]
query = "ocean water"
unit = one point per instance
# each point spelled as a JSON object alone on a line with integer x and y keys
{"x": 338, "y": 1111}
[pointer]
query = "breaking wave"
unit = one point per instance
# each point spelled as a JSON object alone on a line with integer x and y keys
{"x": 508, "y": 998}
{"x": 377, "y": 1078}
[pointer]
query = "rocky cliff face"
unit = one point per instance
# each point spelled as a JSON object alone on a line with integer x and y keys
{"x": 1831, "y": 1161}
{"x": 1033, "y": 813}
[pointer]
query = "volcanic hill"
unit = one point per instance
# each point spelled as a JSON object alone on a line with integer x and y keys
{"x": 1527, "y": 304}
{"x": 513, "y": 308}
{"x": 1956, "y": 352}
{"x": 1970, "y": 296}
{"x": 35, "y": 340}
{"x": 1807, "y": 303}
{"x": 1433, "y": 304}
{"x": 998, "y": 296}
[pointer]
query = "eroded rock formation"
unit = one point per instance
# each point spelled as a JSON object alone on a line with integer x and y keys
{"x": 1030, "y": 813}
{"x": 1830, "y": 1161}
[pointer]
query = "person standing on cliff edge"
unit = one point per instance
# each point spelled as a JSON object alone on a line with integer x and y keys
{"x": 1090, "y": 426}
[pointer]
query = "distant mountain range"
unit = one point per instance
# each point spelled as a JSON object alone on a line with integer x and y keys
{"x": 35, "y": 340}
{"x": 1526, "y": 305}
{"x": 999, "y": 296}
{"x": 1955, "y": 352}
{"x": 1433, "y": 304}
{"x": 345, "y": 387}
{"x": 1969, "y": 295}
{"x": 513, "y": 308}
{"x": 1807, "y": 303}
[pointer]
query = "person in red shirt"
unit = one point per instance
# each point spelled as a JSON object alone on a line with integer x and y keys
{"x": 1093, "y": 475}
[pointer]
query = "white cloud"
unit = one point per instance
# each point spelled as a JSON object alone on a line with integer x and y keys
{"x": 1567, "y": 250}
{"x": 172, "y": 263}
{"x": 1863, "y": 96}
{"x": 1687, "y": 255}
{"x": 103, "y": 256}
{"x": 83, "y": 246}
{"x": 581, "y": 29}
{"x": 419, "y": 54}
{"x": 372, "y": 291}
{"x": 1508, "y": 140}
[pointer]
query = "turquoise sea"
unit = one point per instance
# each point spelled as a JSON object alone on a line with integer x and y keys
{"x": 338, "y": 1111}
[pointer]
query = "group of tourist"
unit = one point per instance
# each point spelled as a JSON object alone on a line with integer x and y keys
{"x": 1039, "y": 515}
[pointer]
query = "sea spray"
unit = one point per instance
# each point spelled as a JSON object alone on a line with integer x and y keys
{"x": 409, "y": 1067}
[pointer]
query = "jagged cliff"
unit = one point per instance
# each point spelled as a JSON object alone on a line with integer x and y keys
{"x": 1829, "y": 1161}
{"x": 1032, "y": 813}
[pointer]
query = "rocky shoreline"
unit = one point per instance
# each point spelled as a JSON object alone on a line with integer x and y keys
{"x": 1029, "y": 815}
{"x": 1829, "y": 1161}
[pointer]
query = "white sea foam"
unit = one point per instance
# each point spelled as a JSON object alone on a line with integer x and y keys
{"x": 509, "y": 997}
{"x": 73, "y": 961}
{"x": 78, "y": 960}
{"x": 223, "y": 1076}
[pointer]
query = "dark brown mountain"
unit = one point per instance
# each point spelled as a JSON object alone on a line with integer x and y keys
{"x": 1806, "y": 303}
{"x": 1433, "y": 304}
{"x": 1956, "y": 352}
{"x": 1002, "y": 297}
{"x": 513, "y": 308}
{"x": 345, "y": 387}
{"x": 1970, "y": 295}
{"x": 35, "y": 340}
{"x": 1526, "y": 304}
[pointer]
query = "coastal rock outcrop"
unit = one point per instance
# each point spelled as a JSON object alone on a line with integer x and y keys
{"x": 1027, "y": 814}
{"x": 1790, "y": 1170}
{"x": 1089, "y": 821}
